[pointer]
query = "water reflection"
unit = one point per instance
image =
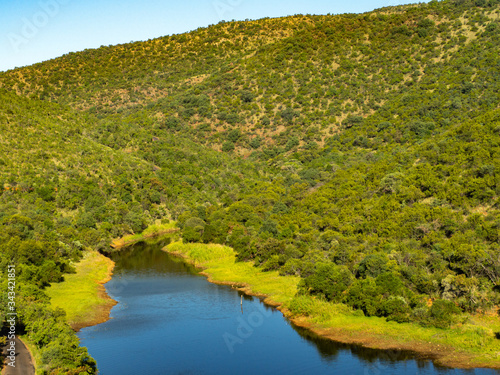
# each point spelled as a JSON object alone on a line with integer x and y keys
{"x": 173, "y": 321}
{"x": 329, "y": 351}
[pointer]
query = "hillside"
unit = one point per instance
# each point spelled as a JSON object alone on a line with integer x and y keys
{"x": 279, "y": 81}
{"x": 359, "y": 152}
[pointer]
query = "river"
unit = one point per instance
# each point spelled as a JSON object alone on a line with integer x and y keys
{"x": 170, "y": 320}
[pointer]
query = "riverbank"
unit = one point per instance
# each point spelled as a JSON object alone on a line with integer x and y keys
{"x": 82, "y": 295}
{"x": 150, "y": 232}
{"x": 470, "y": 344}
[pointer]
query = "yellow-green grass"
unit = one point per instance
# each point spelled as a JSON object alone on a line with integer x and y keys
{"x": 151, "y": 231}
{"x": 82, "y": 294}
{"x": 219, "y": 263}
{"x": 469, "y": 343}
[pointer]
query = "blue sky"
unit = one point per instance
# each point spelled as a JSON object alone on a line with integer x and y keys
{"x": 36, "y": 30}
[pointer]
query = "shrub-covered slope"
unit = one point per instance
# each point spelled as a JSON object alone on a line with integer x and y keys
{"x": 359, "y": 152}
{"x": 277, "y": 84}
{"x": 62, "y": 192}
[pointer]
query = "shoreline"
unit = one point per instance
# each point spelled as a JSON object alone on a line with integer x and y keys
{"x": 151, "y": 232}
{"x": 82, "y": 295}
{"x": 440, "y": 354}
{"x": 339, "y": 335}
{"x": 217, "y": 264}
{"x": 104, "y": 310}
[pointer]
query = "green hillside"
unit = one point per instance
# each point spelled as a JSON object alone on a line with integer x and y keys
{"x": 288, "y": 79}
{"x": 359, "y": 152}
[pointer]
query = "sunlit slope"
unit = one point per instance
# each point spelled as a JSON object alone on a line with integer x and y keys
{"x": 357, "y": 152}
{"x": 48, "y": 152}
{"x": 44, "y": 144}
{"x": 276, "y": 85}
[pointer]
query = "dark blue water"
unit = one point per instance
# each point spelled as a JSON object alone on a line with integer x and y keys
{"x": 169, "y": 320}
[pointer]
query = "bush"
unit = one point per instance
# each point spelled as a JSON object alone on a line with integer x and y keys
{"x": 291, "y": 267}
{"x": 391, "y": 183}
{"x": 291, "y": 143}
{"x": 273, "y": 263}
{"x": 269, "y": 226}
{"x": 46, "y": 193}
{"x": 373, "y": 265}
{"x": 396, "y": 309}
{"x": 328, "y": 280}
{"x": 389, "y": 283}
{"x": 352, "y": 120}
{"x": 289, "y": 114}
{"x": 301, "y": 305}
{"x": 421, "y": 128}
{"x": 247, "y": 96}
{"x": 442, "y": 313}
{"x": 363, "y": 295}
{"x": 228, "y": 146}
{"x": 171, "y": 123}
{"x": 234, "y": 135}
{"x": 255, "y": 142}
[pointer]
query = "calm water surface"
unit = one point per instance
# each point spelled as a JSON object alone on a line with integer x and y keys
{"x": 169, "y": 320}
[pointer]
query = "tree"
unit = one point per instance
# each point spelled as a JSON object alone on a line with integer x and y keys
{"x": 329, "y": 281}
{"x": 193, "y": 229}
{"x": 442, "y": 313}
{"x": 228, "y": 146}
{"x": 373, "y": 265}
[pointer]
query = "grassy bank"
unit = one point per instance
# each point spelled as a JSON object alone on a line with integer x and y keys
{"x": 471, "y": 343}
{"x": 219, "y": 265}
{"x": 151, "y": 231}
{"x": 82, "y": 294}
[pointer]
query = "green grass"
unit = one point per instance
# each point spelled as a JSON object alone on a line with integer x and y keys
{"x": 151, "y": 231}
{"x": 80, "y": 294}
{"x": 219, "y": 262}
{"x": 469, "y": 343}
